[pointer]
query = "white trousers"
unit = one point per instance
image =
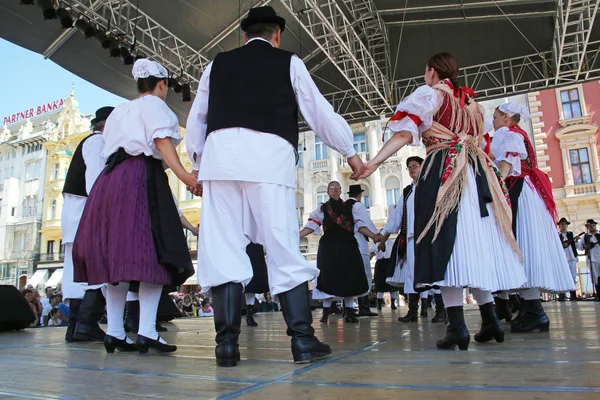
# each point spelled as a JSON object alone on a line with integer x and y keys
{"x": 573, "y": 268}
{"x": 70, "y": 288}
{"x": 367, "y": 263}
{"x": 594, "y": 270}
{"x": 233, "y": 214}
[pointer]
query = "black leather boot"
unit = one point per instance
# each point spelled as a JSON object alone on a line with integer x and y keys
{"x": 533, "y": 318}
{"x": 521, "y": 313}
{"x": 597, "y": 292}
{"x": 424, "y": 307}
{"x": 132, "y": 316}
{"x": 364, "y": 308}
{"x": 456, "y": 332}
{"x": 250, "y": 316}
{"x": 562, "y": 297}
{"x": 573, "y": 295}
{"x": 440, "y": 309}
{"x": 335, "y": 309}
{"x": 295, "y": 305}
{"x": 413, "y": 309}
{"x": 350, "y": 315}
{"x": 393, "y": 303}
{"x": 228, "y": 321}
{"x": 503, "y": 311}
{"x": 325, "y": 316}
{"x": 91, "y": 311}
{"x": 379, "y": 304}
{"x": 74, "y": 305}
{"x": 490, "y": 325}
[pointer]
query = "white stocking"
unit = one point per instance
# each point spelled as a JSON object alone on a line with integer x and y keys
{"x": 452, "y": 296}
{"x": 115, "y": 308}
{"x": 249, "y": 299}
{"x": 482, "y": 296}
{"x": 149, "y": 298}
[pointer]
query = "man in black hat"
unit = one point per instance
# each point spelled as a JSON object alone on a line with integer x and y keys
{"x": 86, "y": 302}
{"x": 242, "y": 139}
{"x": 590, "y": 244}
{"x": 569, "y": 244}
{"x": 361, "y": 219}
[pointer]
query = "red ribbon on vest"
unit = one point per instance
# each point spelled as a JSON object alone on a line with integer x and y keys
{"x": 488, "y": 143}
{"x": 398, "y": 116}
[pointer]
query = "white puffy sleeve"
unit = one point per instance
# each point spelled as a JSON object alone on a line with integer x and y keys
{"x": 394, "y": 219}
{"x": 581, "y": 243}
{"x": 362, "y": 218}
{"x": 315, "y": 220}
{"x": 160, "y": 122}
{"x": 509, "y": 146}
{"x": 415, "y": 113}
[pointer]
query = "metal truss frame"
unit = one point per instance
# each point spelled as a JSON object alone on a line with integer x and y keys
{"x": 573, "y": 27}
{"x": 328, "y": 26}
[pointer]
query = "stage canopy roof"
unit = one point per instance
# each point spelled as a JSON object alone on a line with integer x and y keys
{"x": 365, "y": 55}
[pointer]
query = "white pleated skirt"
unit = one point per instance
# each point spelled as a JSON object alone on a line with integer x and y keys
{"x": 546, "y": 264}
{"x": 482, "y": 257}
{"x": 404, "y": 272}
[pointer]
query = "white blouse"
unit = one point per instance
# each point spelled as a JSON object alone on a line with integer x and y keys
{"x": 134, "y": 126}
{"x": 509, "y": 146}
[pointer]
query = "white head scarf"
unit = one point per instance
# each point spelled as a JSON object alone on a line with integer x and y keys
{"x": 515, "y": 108}
{"x": 144, "y": 68}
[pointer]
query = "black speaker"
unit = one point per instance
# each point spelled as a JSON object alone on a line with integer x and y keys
{"x": 16, "y": 313}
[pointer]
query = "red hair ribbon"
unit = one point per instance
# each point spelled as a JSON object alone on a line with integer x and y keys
{"x": 464, "y": 93}
{"x": 398, "y": 117}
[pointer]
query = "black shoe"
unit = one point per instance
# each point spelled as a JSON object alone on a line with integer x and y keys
{"x": 86, "y": 332}
{"x": 533, "y": 318}
{"x": 413, "y": 309}
{"x": 379, "y": 304}
{"x": 457, "y": 333}
{"x": 440, "y": 309}
{"x": 573, "y": 296}
{"x": 562, "y": 297}
{"x": 295, "y": 305}
{"x": 325, "y": 316}
{"x": 335, "y": 309}
{"x": 74, "y": 306}
{"x": 503, "y": 311}
{"x": 228, "y": 321}
{"x": 393, "y": 304}
{"x": 132, "y": 316}
{"x": 364, "y": 308}
{"x": 250, "y": 316}
{"x": 160, "y": 328}
{"x": 424, "y": 307}
{"x": 111, "y": 343}
{"x": 144, "y": 343}
{"x": 521, "y": 309}
{"x": 350, "y": 315}
{"x": 490, "y": 325}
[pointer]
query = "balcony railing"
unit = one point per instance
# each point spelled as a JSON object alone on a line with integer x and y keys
{"x": 49, "y": 257}
{"x": 319, "y": 164}
{"x": 343, "y": 163}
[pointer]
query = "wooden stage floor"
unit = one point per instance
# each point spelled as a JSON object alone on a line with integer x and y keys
{"x": 379, "y": 358}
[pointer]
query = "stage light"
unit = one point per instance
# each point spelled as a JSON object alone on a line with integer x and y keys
{"x": 27, "y": 2}
{"x": 65, "y": 18}
{"x": 47, "y": 9}
{"x": 102, "y": 38}
{"x": 126, "y": 56}
{"x": 187, "y": 92}
{"x": 178, "y": 88}
{"x": 113, "y": 47}
{"x": 85, "y": 28}
{"x": 172, "y": 81}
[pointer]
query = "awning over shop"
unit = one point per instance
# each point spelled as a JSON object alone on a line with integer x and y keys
{"x": 38, "y": 277}
{"x": 55, "y": 279}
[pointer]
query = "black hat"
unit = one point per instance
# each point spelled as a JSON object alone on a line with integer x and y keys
{"x": 355, "y": 189}
{"x": 563, "y": 219}
{"x": 102, "y": 114}
{"x": 590, "y": 221}
{"x": 414, "y": 158}
{"x": 264, "y": 14}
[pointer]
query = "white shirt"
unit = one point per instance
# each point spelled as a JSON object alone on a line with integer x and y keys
{"x": 361, "y": 218}
{"x": 73, "y": 205}
{"x": 240, "y": 154}
{"x": 594, "y": 253}
{"x": 568, "y": 249}
{"x": 134, "y": 126}
{"x": 395, "y": 220}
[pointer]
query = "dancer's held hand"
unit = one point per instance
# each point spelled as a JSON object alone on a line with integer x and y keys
{"x": 194, "y": 187}
{"x": 368, "y": 170}
{"x": 357, "y": 166}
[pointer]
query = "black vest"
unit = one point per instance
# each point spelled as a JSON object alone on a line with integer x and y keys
{"x": 75, "y": 180}
{"x": 587, "y": 240}
{"x": 250, "y": 87}
{"x": 570, "y": 237}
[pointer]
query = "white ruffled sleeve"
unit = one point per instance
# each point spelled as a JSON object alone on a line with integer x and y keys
{"x": 509, "y": 146}
{"x": 160, "y": 121}
{"x": 315, "y": 220}
{"x": 420, "y": 105}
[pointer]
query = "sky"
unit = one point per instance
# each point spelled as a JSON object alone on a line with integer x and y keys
{"x": 29, "y": 81}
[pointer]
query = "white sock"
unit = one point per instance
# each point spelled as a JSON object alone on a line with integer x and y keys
{"x": 380, "y": 295}
{"x": 394, "y": 295}
{"x": 115, "y": 309}
{"x": 502, "y": 295}
{"x": 424, "y": 294}
{"x": 149, "y": 298}
{"x": 435, "y": 291}
{"x": 250, "y": 299}
{"x": 327, "y": 302}
{"x": 530, "y": 294}
{"x": 349, "y": 301}
{"x": 452, "y": 296}
{"x": 482, "y": 296}
{"x": 133, "y": 296}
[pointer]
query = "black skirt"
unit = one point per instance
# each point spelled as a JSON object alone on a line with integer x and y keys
{"x": 381, "y": 271}
{"x": 16, "y": 313}
{"x": 432, "y": 257}
{"x": 340, "y": 262}
{"x": 260, "y": 278}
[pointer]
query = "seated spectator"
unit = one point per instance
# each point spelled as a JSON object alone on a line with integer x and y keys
{"x": 188, "y": 305}
{"x": 181, "y": 309}
{"x": 205, "y": 309}
{"x": 64, "y": 310}
{"x": 46, "y": 300}
{"x": 35, "y": 305}
{"x": 54, "y": 317}
{"x": 54, "y": 301}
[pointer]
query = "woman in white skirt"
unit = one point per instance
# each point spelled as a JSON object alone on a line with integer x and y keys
{"x": 534, "y": 213}
{"x": 463, "y": 235}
